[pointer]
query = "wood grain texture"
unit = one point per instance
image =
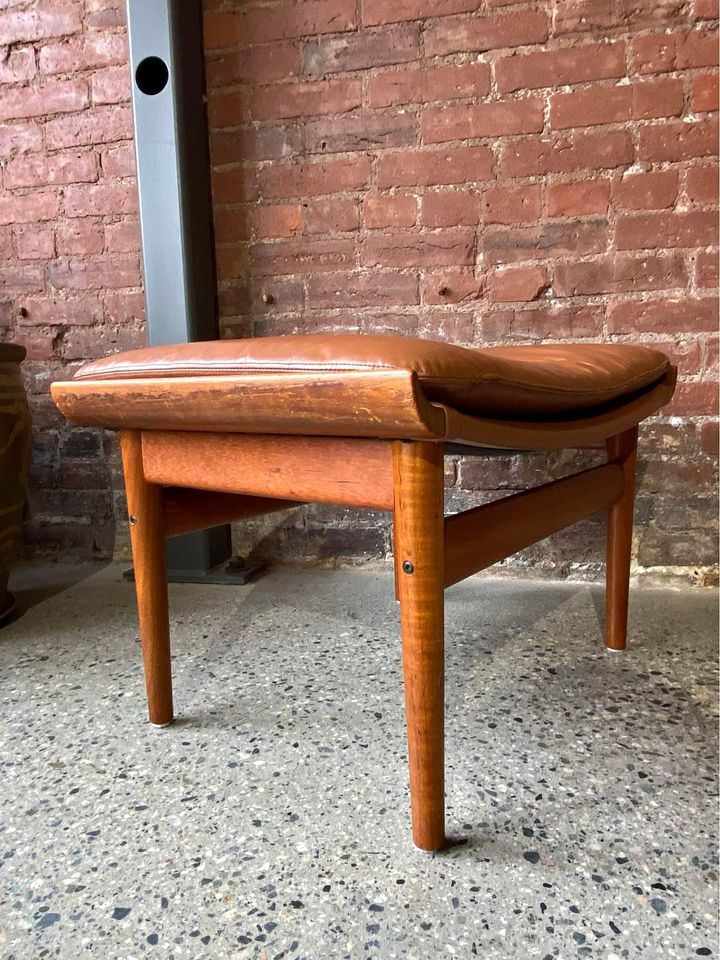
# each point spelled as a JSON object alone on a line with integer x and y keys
{"x": 622, "y": 453}
{"x": 146, "y": 513}
{"x": 354, "y": 472}
{"x": 418, "y": 519}
{"x": 188, "y": 510}
{"x": 380, "y": 403}
{"x": 477, "y": 538}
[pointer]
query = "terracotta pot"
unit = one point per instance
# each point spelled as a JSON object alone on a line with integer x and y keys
{"x": 15, "y": 438}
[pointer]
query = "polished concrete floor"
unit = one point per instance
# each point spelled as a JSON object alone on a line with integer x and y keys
{"x": 271, "y": 820}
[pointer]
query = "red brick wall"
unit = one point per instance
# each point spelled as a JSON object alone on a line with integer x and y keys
{"x": 70, "y": 284}
{"x": 481, "y": 172}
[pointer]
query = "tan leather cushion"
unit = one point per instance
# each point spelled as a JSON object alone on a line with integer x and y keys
{"x": 516, "y": 382}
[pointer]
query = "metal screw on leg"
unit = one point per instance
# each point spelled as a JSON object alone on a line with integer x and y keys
{"x": 133, "y": 521}
{"x": 408, "y": 567}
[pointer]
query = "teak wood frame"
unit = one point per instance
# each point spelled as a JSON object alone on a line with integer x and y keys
{"x": 179, "y": 481}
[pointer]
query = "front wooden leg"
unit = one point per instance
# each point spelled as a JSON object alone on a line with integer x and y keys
{"x": 621, "y": 449}
{"x": 419, "y": 563}
{"x": 146, "y": 512}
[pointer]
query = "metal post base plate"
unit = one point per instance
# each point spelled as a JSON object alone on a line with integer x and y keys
{"x": 234, "y": 573}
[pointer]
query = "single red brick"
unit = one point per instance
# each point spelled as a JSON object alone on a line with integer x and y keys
{"x": 706, "y": 269}
{"x": 332, "y": 216}
{"x": 104, "y": 14}
{"x": 551, "y": 240}
{"x": 19, "y": 138}
{"x": 111, "y": 85}
{"x": 45, "y": 169}
{"x": 278, "y": 220}
{"x": 592, "y": 61}
{"x": 236, "y": 185}
{"x": 449, "y": 81}
{"x": 7, "y": 252}
{"x": 472, "y": 121}
{"x": 232, "y": 224}
{"x": 693, "y": 398}
{"x": 696, "y": 48}
{"x": 267, "y": 61}
{"x": 701, "y": 184}
{"x": 577, "y": 17}
{"x": 107, "y": 273}
{"x": 359, "y": 131}
{"x": 61, "y": 96}
{"x": 124, "y": 307}
{"x": 311, "y": 98}
{"x": 302, "y": 256}
{"x": 251, "y": 143}
{"x": 29, "y": 208}
{"x": 686, "y": 315}
{"x": 508, "y": 284}
{"x": 77, "y": 237}
{"x": 450, "y": 208}
{"x": 123, "y": 236}
{"x": 578, "y": 199}
{"x": 393, "y": 11}
{"x": 678, "y": 140}
{"x": 645, "y": 191}
{"x": 256, "y": 23}
{"x": 85, "y": 52}
{"x": 543, "y": 323}
{"x": 710, "y": 437}
{"x": 451, "y": 286}
{"x": 48, "y": 311}
{"x": 107, "y": 197}
{"x": 119, "y": 161}
{"x": 21, "y": 277}
{"x": 41, "y": 21}
{"x": 381, "y": 288}
{"x": 619, "y": 275}
{"x": 313, "y": 179}
{"x": 228, "y": 108}
{"x": 397, "y": 210}
{"x": 640, "y": 101}
{"x": 95, "y": 125}
{"x": 37, "y": 243}
{"x": 433, "y": 167}
{"x": 653, "y": 53}
{"x": 511, "y": 205}
{"x": 452, "y": 247}
{"x": 647, "y": 231}
{"x": 361, "y": 51}
{"x": 458, "y": 34}
{"x": 565, "y": 154}
{"x": 705, "y": 92}
{"x": 17, "y": 65}
{"x": 231, "y": 261}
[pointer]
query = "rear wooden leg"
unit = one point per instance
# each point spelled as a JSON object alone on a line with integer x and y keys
{"x": 419, "y": 564}
{"x": 621, "y": 449}
{"x": 147, "y": 537}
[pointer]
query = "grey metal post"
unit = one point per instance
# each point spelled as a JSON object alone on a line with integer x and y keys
{"x": 173, "y": 174}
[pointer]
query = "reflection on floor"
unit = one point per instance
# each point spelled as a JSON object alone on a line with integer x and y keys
{"x": 271, "y": 820}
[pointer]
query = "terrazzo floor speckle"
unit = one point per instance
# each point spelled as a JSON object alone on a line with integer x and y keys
{"x": 271, "y": 820}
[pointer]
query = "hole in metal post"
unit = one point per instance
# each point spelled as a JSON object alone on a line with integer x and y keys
{"x": 151, "y": 76}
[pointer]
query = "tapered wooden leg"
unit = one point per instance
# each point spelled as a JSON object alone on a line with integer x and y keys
{"x": 621, "y": 449}
{"x": 147, "y": 537}
{"x": 419, "y": 559}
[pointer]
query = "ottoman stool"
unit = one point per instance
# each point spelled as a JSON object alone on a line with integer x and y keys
{"x": 213, "y": 432}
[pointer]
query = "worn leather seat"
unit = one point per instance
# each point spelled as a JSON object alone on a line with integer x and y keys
{"x": 515, "y": 382}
